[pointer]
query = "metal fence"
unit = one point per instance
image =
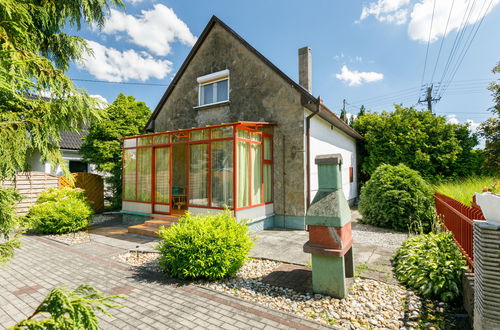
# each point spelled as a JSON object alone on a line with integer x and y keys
{"x": 458, "y": 218}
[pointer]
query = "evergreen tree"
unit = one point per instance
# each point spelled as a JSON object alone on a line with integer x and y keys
{"x": 362, "y": 111}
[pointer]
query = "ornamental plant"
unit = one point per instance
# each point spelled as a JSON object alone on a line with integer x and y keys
{"x": 432, "y": 265}
{"x": 60, "y": 211}
{"x": 8, "y": 223}
{"x": 204, "y": 246}
{"x": 397, "y": 197}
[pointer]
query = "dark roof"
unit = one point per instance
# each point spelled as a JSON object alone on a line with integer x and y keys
{"x": 307, "y": 98}
{"x": 72, "y": 140}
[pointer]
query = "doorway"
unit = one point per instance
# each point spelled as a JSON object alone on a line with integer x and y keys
{"x": 179, "y": 179}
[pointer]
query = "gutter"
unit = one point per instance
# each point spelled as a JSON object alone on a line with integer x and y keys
{"x": 308, "y": 152}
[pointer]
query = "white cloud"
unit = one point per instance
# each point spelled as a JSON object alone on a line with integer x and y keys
{"x": 390, "y": 11}
{"x": 103, "y": 103}
{"x": 113, "y": 65}
{"x": 421, "y": 15}
{"x": 154, "y": 29}
{"x": 135, "y": 1}
{"x": 452, "y": 119}
{"x": 355, "y": 78}
{"x": 472, "y": 124}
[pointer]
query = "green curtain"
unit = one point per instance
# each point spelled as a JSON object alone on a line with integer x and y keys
{"x": 243, "y": 172}
{"x": 129, "y": 167}
{"x": 144, "y": 175}
{"x": 162, "y": 175}
{"x": 198, "y": 174}
{"x": 256, "y": 174}
{"x": 222, "y": 174}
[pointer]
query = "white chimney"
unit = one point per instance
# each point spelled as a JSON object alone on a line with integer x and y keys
{"x": 305, "y": 68}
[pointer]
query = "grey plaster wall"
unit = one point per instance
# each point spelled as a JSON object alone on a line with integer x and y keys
{"x": 257, "y": 93}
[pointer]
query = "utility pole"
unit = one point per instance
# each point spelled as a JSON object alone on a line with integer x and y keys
{"x": 343, "y": 113}
{"x": 429, "y": 99}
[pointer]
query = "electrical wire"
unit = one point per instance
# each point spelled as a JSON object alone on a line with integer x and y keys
{"x": 428, "y": 43}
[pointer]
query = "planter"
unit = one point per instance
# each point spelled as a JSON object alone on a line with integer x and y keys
{"x": 490, "y": 205}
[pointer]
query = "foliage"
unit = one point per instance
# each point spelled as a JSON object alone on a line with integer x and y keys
{"x": 103, "y": 147}
{"x": 8, "y": 223}
{"x": 59, "y": 211}
{"x": 431, "y": 264}
{"x": 462, "y": 190}
{"x": 397, "y": 197}
{"x": 35, "y": 54}
{"x": 70, "y": 309}
{"x": 490, "y": 129}
{"x": 208, "y": 246}
{"x": 418, "y": 139}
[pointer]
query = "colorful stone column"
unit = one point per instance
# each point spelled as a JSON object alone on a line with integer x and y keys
{"x": 330, "y": 236}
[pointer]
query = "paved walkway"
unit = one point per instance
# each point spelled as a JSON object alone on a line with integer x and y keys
{"x": 152, "y": 302}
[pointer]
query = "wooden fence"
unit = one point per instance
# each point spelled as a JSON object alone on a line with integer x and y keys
{"x": 458, "y": 218}
{"x": 30, "y": 185}
{"x": 91, "y": 183}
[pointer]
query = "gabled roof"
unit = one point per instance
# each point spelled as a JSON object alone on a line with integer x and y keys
{"x": 72, "y": 140}
{"x": 307, "y": 98}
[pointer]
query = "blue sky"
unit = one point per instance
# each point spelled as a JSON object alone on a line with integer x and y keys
{"x": 367, "y": 52}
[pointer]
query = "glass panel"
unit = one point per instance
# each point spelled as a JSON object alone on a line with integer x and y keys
{"x": 222, "y": 90}
{"x": 207, "y": 94}
{"x": 145, "y": 141}
{"x": 241, "y": 133}
{"x": 268, "y": 181}
{"x": 198, "y": 175}
{"x": 180, "y": 137}
{"x": 222, "y": 132}
{"x": 256, "y": 136}
{"x": 144, "y": 174}
{"x": 130, "y": 143}
{"x": 129, "y": 167}
{"x": 162, "y": 175}
{"x": 222, "y": 173}
{"x": 256, "y": 174}
{"x": 268, "y": 151}
{"x": 162, "y": 139}
{"x": 243, "y": 172}
{"x": 200, "y": 134}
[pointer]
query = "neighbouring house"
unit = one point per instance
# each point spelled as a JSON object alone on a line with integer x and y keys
{"x": 232, "y": 130}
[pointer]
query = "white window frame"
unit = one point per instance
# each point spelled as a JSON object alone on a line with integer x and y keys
{"x": 212, "y": 79}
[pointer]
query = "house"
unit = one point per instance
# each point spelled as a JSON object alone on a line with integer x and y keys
{"x": 232, "y": 130}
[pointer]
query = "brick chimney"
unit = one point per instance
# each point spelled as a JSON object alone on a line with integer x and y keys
{"x": 305, "y": 68}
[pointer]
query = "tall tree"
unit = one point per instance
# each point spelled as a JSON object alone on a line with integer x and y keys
{"x": 102, "y": 146}
{"x": 490, "y": 129}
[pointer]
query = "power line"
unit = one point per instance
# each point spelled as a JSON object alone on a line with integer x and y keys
{"x": 442, "y": 41}
{"x": 428, "y": 43}
{"x": 118, "y": 82}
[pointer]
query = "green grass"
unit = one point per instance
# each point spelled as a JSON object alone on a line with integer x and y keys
{"x": 462, "y": 190}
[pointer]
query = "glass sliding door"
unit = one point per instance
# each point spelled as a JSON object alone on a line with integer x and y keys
{"x": 243, "y": 174}
{"x": 222, "y": 173}
{"x": 144, "y": 178}
{"x": 162, "y": 179}
{"x": 198, "y": 174}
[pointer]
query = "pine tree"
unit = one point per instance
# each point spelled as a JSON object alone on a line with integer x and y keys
{"x": 362, "y": 111}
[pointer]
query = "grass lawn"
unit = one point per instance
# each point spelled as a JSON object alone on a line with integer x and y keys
{"x": 462, "y": 190}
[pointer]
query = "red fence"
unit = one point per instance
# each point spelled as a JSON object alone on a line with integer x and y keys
{"x": 458, "y": 218}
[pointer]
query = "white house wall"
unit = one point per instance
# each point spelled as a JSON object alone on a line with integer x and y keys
{"x": 327, "y": 139}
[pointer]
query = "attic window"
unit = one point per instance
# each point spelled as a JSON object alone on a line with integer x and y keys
{"x": 213, "y": 88}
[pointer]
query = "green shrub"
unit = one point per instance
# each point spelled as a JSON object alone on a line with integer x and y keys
{"x": 208, "y": 246}
{"x": 431, "y": 264}
{"x": 8, "y": 220}
{"x": 60, "y": 211}
{"x": 397, "y": 197}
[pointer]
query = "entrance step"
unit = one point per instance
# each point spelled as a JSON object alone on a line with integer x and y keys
{"x": 157, "y": 216}
{"x": 159, "y": 223}
{"x": 151, "y": 227}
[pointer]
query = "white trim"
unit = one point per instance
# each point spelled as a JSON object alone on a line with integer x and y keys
{"x": 211, "y": 76}
{"x": 210, "y": 104}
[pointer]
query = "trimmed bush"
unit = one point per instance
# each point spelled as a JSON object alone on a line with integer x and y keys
{"x": 8, "y": 220}
{"x": 431, "y": 264}
{"x": 204, "y": 246}
{"x": 397, "y": 197}
{"x": 60, "y": 211}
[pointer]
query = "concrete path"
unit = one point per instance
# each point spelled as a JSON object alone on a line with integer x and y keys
{"x": 152, "y": 301}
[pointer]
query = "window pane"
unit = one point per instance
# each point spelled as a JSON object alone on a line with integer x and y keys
{"x": 268, "y": 181}
{"x": 180, "y": 137}
{"x": 256, "y": 174}
{"x": 198, "y": 175}
{"x": 161, "y": 139}
{"x": 145, "y": 141}
{"x": 200, "y": 134}
{"x": 222, "y": 132}
{"x": 268, "y": 151}
{"x": 243, "y": 174}
{"x": 222, "y": 174}
{"x": 129, "y": 167}
{"x": 241, "y": 133}
{"x": 162, "y": 175}
{"x": 207, "y": 94}
{"x": 129, "y": 143}
{"x": 222, "y": 90}
{"x": 256, "y": 136}
{"x": 144, "y": 175}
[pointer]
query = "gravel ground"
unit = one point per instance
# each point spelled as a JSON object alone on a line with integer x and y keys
{"x": 71, "y": 238}
{"x": 370, "y": 305}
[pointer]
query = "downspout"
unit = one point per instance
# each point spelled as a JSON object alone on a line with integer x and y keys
{"x": 308, "y": 152}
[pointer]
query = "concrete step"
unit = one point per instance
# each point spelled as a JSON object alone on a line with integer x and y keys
{"x": 159, "y": 223}
{"x": 157, "y": 216}
{"x": 143, "y": 230}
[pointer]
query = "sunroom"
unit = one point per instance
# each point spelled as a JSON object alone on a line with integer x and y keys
{"x": 203, "y": 170}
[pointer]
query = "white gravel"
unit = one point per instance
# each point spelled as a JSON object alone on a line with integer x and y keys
{"x": 71, "y": 238}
